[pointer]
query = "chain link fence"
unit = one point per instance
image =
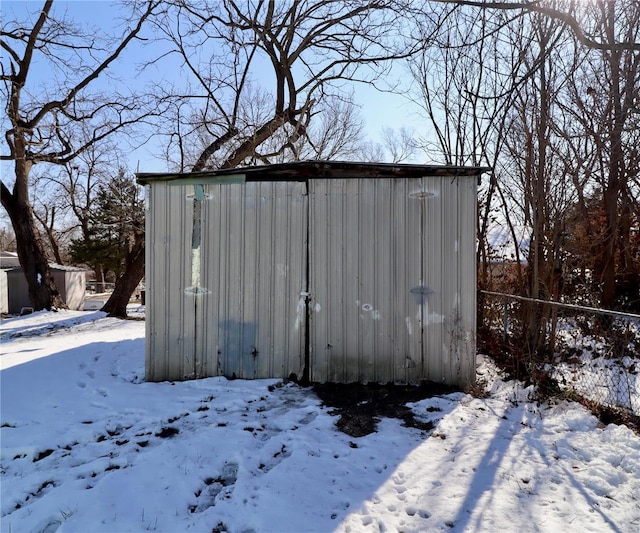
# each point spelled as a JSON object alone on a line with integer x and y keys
{"x": 588, "y": 354}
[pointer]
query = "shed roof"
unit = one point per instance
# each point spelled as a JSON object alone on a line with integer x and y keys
{"x": 304, "y": 170}
{"x": 8, "y": 260}
{"x": 52, "y": 266}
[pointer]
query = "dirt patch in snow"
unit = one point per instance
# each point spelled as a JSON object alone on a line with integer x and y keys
{"x": 361, "y": 406}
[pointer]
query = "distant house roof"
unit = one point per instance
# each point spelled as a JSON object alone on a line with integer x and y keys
{"x": 502, "y": 246}
{"x": 8, "y": 260}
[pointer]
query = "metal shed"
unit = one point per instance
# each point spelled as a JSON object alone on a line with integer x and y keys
{"x": 70, "y": 281}
{"x": 332, "y": 271}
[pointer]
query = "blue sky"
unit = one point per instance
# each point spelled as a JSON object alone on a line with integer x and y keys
{"x": 377, "y": 109}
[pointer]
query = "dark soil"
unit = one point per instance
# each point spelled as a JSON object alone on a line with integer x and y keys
{"x": 361, "y": 406}
{"x": 610, "y": 415}
{"x": 42, "y": 455}
{"x": 167, "y": 432}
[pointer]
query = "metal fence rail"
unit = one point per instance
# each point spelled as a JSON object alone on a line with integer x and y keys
{"x": 588, "y": 352}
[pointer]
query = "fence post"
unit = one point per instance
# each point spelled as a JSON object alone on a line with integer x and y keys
{"x": 506, "y": 319}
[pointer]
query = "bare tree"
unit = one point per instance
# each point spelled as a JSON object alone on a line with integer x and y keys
{"x": 335, "y": 131}
{"x": 571, "y": 129}
{"x": 268, "y": 68}
{"x": 465, "y": 83}
{"x": 601, "y": 108}
{"x": 512, "y": 89}
{"x": 532, "y": 147}
{"x": 64, "y": 197}
{"x": 40, "y": 121}
{"x": 7, "y": 239}
{"x": 574, "y": 14}
{"x": 49, "y": 210}
{"x": 619, "y": 92}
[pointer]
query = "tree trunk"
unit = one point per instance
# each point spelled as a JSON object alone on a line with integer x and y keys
{"x": 43, "y": 293}
{"x": 608, "y": 278}
{"x": 125, "y": 285}
{"x": 100, "y": 285}
{"x": 622, "y": 91}
{"x": 49, "y": 227}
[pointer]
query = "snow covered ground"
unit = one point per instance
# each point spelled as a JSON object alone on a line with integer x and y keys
{"x": 595, "y": 373}
{"x": 88, "y": 446}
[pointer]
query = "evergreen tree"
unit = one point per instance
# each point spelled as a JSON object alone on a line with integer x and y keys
{"x": 116, "y": 238}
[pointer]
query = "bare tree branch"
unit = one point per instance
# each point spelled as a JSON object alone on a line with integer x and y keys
{"x": 43, "y": 128}
{"x": 538, "y": 6}
{"x": 272, "y": 63}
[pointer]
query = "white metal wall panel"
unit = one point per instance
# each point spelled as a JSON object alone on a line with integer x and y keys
{"x": 433, "y": 252}
{"x": 170, "y": 322}
{"x": 449, "y": 256}
{"x": 467, "y": 284}
{"x": 254, "y": 269}
{"x": 365, "y": 257}
{"x": 4, "y": 292}
{"x": 450, "y": 275}
{"x": 444, "y": 354}
{"x": 392, "y": 280}
{"x": 410, "y": 202}
{"x": 245, "y": 318}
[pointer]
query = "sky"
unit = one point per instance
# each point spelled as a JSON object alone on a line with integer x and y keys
{"x": 377, "y": 109}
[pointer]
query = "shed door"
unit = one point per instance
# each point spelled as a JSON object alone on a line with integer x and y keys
{"x": 392, "y": 280}
{"x": 250, "y": 317}
{"x": 367, "y": 280}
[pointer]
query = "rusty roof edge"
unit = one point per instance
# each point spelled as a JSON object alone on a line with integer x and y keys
{"x": 301, "y": 170}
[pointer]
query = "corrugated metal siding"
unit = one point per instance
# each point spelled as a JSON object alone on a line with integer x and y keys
{"x": 4, "y": 292}
{"x": 244, "y": 318}
{"x": 255, "y": 255}
{"x": 467, "y": 284}
{"x": 449, "y": 256}
{"x": 365, "y": 257}
{"x": 170, "y": 318}
{"x": 390, "y": 280}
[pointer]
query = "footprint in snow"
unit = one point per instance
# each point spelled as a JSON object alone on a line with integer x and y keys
{"x": 277, "y": 458}
{"x": 216, "y": 488}
{"x": 310, "y": 417}
{"x": 412, "y": 511}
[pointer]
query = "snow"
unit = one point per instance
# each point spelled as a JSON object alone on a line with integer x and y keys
{"x": 88, "y": 445}
{"x": 594, "y": 371}
{"x": 501, "y": 243}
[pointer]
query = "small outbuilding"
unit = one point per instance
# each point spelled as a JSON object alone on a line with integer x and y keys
{"x": 70, "y": 281}
{"x": 8, "y": 261}
{"x": 330, "y": 271}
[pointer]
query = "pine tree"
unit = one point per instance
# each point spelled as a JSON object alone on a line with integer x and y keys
{"x": 116, "y": 241}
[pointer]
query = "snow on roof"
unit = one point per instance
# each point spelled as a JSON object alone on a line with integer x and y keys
{"x": 501, "y": 242}
{"x": 67, "y": 268}
{"x": 9, "y": 260}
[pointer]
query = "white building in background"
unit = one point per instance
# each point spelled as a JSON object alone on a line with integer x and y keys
{"x": 14, "y": 292}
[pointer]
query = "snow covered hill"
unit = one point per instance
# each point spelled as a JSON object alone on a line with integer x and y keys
{"x": 88, "y": 446}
